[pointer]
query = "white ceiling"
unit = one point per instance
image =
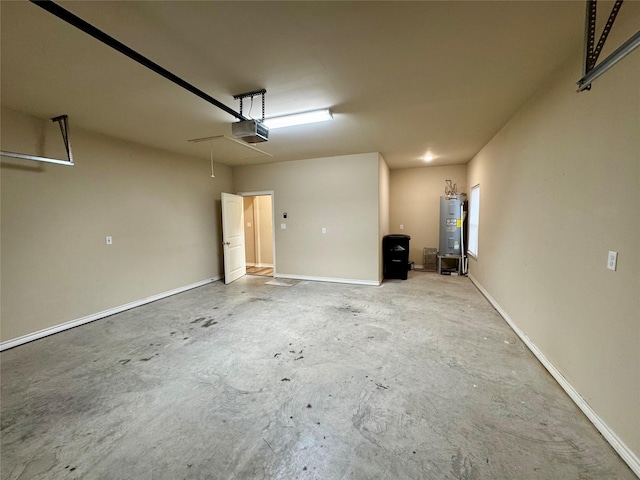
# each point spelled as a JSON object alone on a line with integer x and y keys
{"x": 402, "y": 78}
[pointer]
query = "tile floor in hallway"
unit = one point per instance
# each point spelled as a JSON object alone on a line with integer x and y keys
{"x": 415, "y": 379}
{"x": 264, "y": 271}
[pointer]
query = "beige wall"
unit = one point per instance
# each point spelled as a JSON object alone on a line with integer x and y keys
{"x": 337, "y": 193}
{"x": 415, "y": 203}
{"x": 258, "y": 230}
{"x": 249, "y": 231}
{"x": 559, "y": 188}
{"x": 264, "y": 221}
{"x": 383, "y": 209}
{"x": 161, "y": 209}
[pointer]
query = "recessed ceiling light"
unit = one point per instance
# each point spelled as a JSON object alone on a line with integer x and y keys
{"x": 298, "y": 119}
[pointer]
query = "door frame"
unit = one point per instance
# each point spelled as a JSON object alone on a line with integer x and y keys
{"x": 264, "y": 193}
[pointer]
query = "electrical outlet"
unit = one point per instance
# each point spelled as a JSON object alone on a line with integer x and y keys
{"x": 324, "y": 230}
{"x": 401, "y": 227}
{"x": 283, "y": 226}
{"x": 109, "y": 240}
{"x": 612, "y": 260}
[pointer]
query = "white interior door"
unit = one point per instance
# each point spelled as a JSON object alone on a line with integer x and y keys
{"x": 235, "y": 265}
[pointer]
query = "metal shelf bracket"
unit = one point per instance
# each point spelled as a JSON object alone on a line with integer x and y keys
{"x": 63, "y": 121}
{"x": 591, "y": 71}
{"x": 255, "y": 93}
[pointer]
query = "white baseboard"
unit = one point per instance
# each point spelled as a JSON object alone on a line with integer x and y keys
{"x": 623, "y": 450}
{"x": 250, "y": 264}
{"x": 97, "y": 316}
{"x": 329, "y": 279}
{"x": 263, "y": 265}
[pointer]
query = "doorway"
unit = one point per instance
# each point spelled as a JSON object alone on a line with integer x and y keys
{"x": 258, "y": 234}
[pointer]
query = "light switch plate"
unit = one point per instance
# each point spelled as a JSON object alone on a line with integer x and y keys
{"x": 283, "y": 226}
{"x": 324, "y": 230}
{"x": 109, "y": 240}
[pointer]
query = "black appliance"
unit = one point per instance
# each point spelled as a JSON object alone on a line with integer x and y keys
{"x": 395, "y": 256}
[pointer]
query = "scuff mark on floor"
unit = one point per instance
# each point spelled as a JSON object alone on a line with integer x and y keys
{"x": 463, "y": 468}
{"x": 149, "y": 358}
{"x": 38, "y": 466}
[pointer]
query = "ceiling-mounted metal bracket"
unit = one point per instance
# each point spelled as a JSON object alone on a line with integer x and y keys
{"x": 592, "y": 53}
{"x": 591, "y": 71}
{"x": 255, "y": 93}
{"x": 63, "y": 121}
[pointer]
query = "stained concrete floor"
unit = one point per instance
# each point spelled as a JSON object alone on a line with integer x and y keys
{"x": 416, "y": 379}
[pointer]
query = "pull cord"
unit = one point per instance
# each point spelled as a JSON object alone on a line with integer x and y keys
{"x": 213, "y": 175}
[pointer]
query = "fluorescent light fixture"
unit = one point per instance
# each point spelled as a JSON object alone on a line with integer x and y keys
{"x": 298, "y": 119}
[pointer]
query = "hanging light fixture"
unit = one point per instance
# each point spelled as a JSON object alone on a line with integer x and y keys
{"x": 303, "y": 118}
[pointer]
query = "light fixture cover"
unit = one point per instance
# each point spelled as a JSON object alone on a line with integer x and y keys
{"x": 298, "y": 119}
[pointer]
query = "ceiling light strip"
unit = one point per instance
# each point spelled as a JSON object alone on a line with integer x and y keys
{"x": 302, "y": 118}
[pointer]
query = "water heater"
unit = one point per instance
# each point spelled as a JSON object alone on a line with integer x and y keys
{"x": 451, "y": 225}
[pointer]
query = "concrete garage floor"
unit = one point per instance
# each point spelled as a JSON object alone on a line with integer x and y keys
{"x": 416, "y": 379}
